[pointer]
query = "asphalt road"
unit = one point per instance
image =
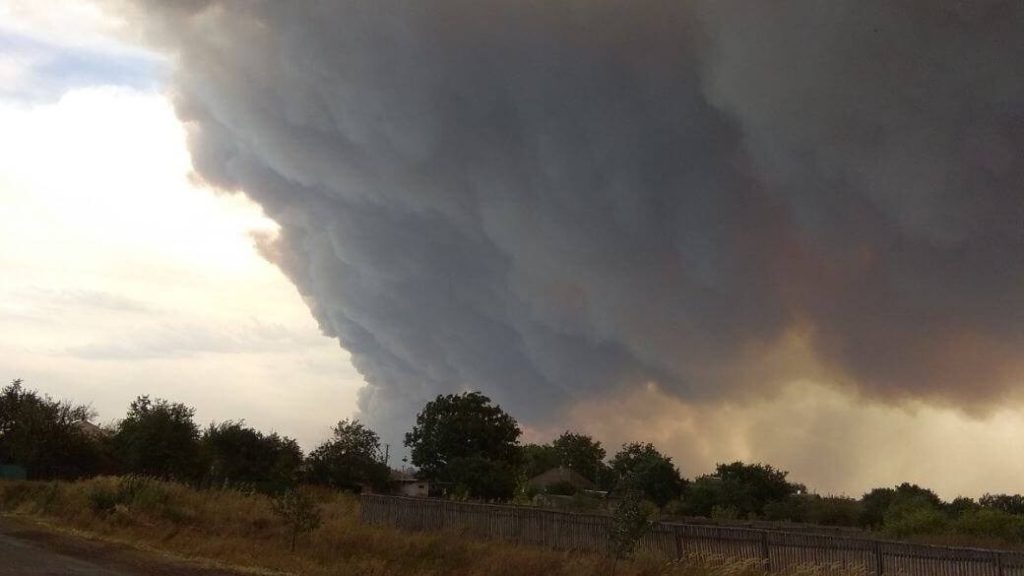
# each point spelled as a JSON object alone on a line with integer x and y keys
{"x": 23, "y": 558}
{"x": 28, "y": 549}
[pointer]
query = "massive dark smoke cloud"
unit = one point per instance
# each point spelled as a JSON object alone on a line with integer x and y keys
{"x": 555, "y": 200}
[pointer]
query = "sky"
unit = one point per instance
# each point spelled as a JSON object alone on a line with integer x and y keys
{"x": 123, "y": 275}
{"x": 739, "y": 230}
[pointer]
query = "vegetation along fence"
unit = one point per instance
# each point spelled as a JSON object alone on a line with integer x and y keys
{"x": 776, "y": 550}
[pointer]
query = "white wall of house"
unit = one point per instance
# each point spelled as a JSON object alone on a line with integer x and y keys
{"x": 417, "y": 489}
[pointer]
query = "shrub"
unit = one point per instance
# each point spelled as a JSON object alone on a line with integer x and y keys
{"x": 298, "y": 512}
{"x": 630, "y": 522}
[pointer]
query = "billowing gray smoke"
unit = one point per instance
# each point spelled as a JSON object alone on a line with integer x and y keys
{"x": 553, "y": 200}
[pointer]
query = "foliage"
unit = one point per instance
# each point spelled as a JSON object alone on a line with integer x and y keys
{"x": 580, "y": 453}
{"x": 481, "y": 478}
{"x": 815, "y": 509}
{"x": 914, "y": 515}
{"x": 630, "y": 522}
{"x": 459, "y": 435}
{"x": 876, "y": 503}
{"x": 536, "y": 459}
{"x": 241, "y": 456}
{"x": 563, "y": 488}
{"x": 750, "y": 487}
{"x": 1009, "y": 503}
{"x": 298, "y": 512}
{"x": 159, "y": 438}
{"x": 350, "y": 459}
{"x": 46, "y": 437}
{"x": 641, "y": 467}
{"x": 990, "y": 523}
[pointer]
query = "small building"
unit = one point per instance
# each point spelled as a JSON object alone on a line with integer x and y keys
{"x": 405, "y": 483}
{"x": 91, "y": 430}
{"x": 560, "y": 477}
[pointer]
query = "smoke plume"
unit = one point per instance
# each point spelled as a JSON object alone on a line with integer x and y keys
{"x": 556, "y": 201}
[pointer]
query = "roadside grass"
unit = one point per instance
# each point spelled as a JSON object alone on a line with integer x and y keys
{"x": 239, "y": 530}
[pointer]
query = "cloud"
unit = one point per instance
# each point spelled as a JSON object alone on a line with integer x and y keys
{"x": 554, "y": 202}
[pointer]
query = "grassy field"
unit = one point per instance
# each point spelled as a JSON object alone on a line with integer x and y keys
{"x": 239, "y": 530}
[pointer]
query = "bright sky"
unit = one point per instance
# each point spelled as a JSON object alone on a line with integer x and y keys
{"x": 122, "y": 275}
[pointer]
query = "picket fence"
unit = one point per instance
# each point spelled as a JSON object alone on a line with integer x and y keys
{"x": 775, "y": 550}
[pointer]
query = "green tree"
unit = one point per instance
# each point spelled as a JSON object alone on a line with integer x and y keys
{"x": 299, "y": 513}
{"x": 464, "y": 440}
{"x": 536, "y": 459}
{"x": 239, "y": 455}
{"x": 581, "y": 453}
{"x": 873, "y": 506}
{"x": 876, "y": 503}
{"x": 1009, "y": 503}
{"x": 47, "y": 437}
{"x": 641, "y": 467}
{"x": 631, "y": 520}
{"x": 160, "y": 439}
{"x": 350, "y": 459}
{"x": 748, "y": 488}
{"x": 914, "y": 515}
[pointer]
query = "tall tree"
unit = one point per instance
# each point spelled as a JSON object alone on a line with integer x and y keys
{"x": 350, "y": 459}
{"x": 581, "y": 453}
{"x": 536, "y": 459}
{"x": 236, "y": 454}
{"x": 160, "y": 438}
{"x": 641, "y": 467}
{"x": 465, "y": 440}
{"x": 47, "y": 436}
{"x": 748, "y": 488}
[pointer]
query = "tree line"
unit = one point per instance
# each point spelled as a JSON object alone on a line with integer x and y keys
{"x": 467, "y": 447}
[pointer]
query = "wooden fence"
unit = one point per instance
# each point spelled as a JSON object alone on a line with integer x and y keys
{"x": 775, "y": 550}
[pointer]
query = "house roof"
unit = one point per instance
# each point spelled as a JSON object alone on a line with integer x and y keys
{"x": 91, "y": 430}
{"x": 560, "y": 475}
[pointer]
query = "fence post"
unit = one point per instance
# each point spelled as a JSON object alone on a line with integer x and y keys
{"x": 999, "y": 563}
{"x": 879, "y": 565}
{"x": 764, "y": 551}
{"x": 679, "y": 542}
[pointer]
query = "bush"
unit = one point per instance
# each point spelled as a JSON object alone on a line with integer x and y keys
{"x": 104, "y": 499}
{"x": 990, "y": 523}
{"x": 136, "y": 496}
{"x": 298, "y": 512}
{"x": 630, "y": 522}
{"x": 563, "y": 488}
{"x": 914, "y": 517}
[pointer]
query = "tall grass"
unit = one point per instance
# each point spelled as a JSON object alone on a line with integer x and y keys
{"x": 240, "y": 529}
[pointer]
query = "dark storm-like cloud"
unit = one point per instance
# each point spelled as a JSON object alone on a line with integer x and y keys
{"x": 553, "y": 200}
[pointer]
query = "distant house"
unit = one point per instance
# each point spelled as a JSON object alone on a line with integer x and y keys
{"x": 91, "y": 430}
{"x": 560, "y": 477}
{"x": 405, "y": 483}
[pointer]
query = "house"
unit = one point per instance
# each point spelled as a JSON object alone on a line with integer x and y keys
{"x": 559, "y": 479}
{"x": 405, "y": 483}
{"x": 91, "y": 430}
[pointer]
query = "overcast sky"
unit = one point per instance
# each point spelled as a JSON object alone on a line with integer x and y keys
{"x": 758, "y": 251}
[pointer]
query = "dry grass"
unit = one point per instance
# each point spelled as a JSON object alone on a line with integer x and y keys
{"x": 239, "y": 530}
